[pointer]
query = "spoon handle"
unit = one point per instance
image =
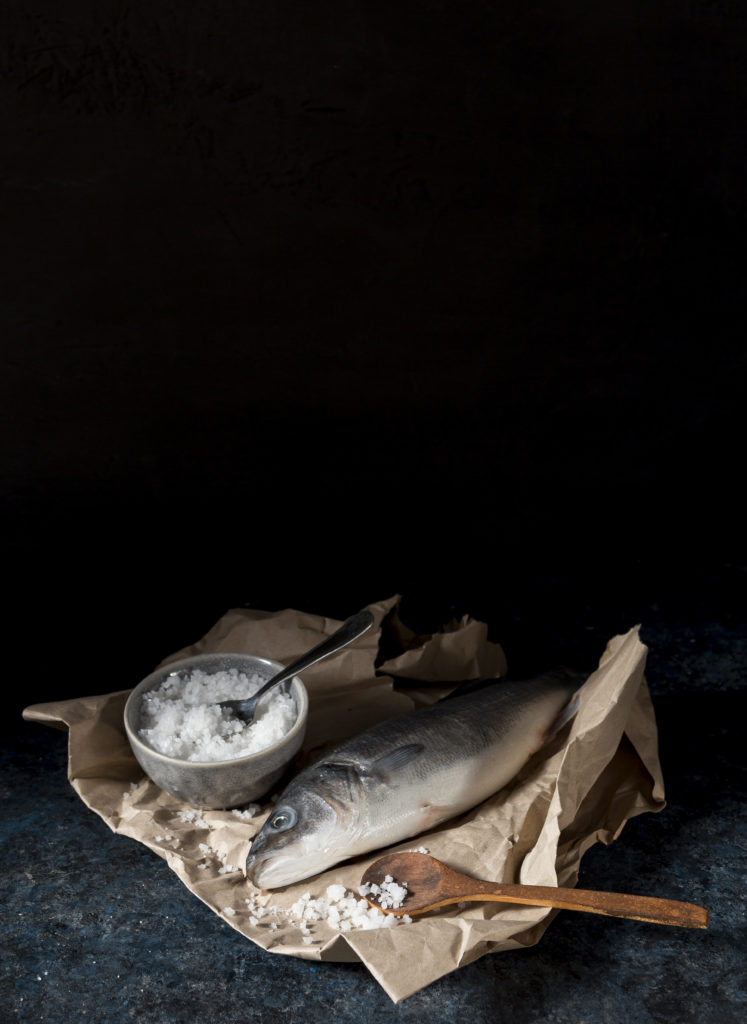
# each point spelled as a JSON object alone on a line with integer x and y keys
{"x": 350, "y": 630}
{"x": 613, "y": 904}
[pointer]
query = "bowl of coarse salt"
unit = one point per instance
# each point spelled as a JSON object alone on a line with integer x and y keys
{"x": 204, "y": 754}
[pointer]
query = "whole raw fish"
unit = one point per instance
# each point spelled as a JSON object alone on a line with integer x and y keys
{"x": 406, "y": 775}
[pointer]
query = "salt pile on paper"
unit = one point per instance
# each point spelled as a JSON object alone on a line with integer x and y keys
{"x": 181, "y": 718}
{"x": 339, "y": 908}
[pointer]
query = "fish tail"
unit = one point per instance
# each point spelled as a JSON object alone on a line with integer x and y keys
{"x": 570, "y": 709}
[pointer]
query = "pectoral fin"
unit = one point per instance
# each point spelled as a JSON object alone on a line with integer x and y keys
{"x": 433, "y": 814}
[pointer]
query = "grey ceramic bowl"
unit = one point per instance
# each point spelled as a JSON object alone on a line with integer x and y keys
{"x": 216, "y": 784}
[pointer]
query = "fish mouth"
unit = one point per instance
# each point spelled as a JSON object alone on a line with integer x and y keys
{"x": 250, "y": 868}
{"x": 274, "y": 870}
{"x": 271, "y": 870}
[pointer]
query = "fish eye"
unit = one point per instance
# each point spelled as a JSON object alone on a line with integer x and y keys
{"x": 283, "y": 819}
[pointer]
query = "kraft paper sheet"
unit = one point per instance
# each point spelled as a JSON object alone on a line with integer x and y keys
{"x": 598, "y": 773}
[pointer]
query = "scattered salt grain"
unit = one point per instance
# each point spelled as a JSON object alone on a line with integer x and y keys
{"x": 248, "y": 812}
{"x": 191, "y": 816}
{"x": 181, "y": 718}
{"x": 226, "y": 869}
{"x": 229, "y": 911}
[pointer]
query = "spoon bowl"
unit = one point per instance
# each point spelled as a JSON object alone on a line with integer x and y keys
{"x": 431, "y": 884}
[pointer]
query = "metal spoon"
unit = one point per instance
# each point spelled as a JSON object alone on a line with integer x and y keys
{"x": 350, "y": 630}
{"x": 431, "y": 884}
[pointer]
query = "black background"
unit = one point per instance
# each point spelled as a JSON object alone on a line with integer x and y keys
{"x": 305, "y": 305}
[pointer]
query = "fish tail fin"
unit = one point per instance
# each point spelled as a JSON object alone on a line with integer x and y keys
{"x": 565, "y": 715}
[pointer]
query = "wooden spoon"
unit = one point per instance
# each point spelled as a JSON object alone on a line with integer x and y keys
{"x": 431, "y": 884}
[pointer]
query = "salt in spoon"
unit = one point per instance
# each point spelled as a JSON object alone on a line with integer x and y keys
{"x": 431, "y": 884}
{"x": 350, "y": 630}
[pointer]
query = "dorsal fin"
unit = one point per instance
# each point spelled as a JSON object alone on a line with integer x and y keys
{"x": 396, "y": 759}
{"x": 380, "y": 769}
{"x": 470, "y": 686}
{"x": 563, "y": 674}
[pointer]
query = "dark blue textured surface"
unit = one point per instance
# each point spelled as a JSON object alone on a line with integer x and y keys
{"x": 98, "y": 928}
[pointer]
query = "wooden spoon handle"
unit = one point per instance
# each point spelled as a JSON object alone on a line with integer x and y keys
{"x": 613, "y": 904}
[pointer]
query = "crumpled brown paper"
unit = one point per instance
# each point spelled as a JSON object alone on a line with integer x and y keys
{"x": 580, "y": 790}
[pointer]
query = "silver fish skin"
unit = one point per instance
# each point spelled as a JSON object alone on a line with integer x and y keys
{"x": 406, "y": 775}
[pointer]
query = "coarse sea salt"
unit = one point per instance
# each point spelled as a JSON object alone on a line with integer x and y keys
{"x": 339, "y": 908}
{"x": 181, "y": 717}
{"x": 192, "y": 816}
{"x": 390, "y": 895}
{"x": 248, "y": 812}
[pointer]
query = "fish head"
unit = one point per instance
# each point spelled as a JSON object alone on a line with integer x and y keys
{"x": 300, "y": 837}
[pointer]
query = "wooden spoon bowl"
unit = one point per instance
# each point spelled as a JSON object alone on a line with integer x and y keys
{"x": 431, "y": 884}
